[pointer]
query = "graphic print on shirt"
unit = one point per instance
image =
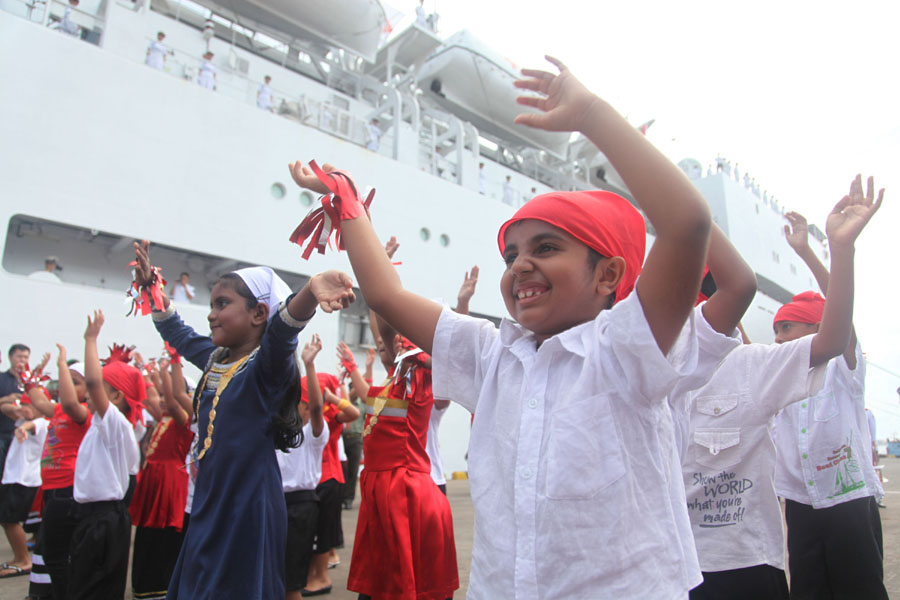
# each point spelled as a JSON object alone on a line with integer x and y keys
{"x": 49, "y": 458}
{"x": 722, "y": 500}
{"x": 845, "y": 466}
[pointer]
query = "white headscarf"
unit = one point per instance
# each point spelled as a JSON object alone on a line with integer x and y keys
{"x": 77, "y": 367}
{"x": 266, "y": 286}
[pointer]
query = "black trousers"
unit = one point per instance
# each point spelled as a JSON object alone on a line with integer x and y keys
{"x": 99, "y": 552}
{"x": 353, "y": 450}
{"x": 302, "y": 517}
{"x": 835, "y": 553}
{"x": 57, "y": 526}
{"x": 155, "y": 554}
{"x": 749, "y": 583}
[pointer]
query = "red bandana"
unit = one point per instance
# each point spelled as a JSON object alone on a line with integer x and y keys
{"x": 128, "y": 380}
{"x": 601, "y": 220}
{"x": 806, "y": 307}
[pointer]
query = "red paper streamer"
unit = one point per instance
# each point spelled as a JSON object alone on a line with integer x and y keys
{"x": 33, "y": 379}
{"x": 118, "y": 353}
{"x": 342, "y": 203}
{"x": 173, "y": 354}
{"x": 141, "y": 295}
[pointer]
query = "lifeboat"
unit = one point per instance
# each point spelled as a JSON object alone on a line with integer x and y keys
{"x": 470, "y": 80}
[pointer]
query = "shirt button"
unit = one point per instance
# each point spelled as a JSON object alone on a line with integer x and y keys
{"x": 526, "y": 548}
{"x": 805, "y": 455}
{"x": 811, "y": 482}
{"x": 532, "y": 403}
{"x": 803, "y": 430}
{"x": 717, "y": 410}
{"x": 803, "y": 405}
{"x": 526, "y": 473}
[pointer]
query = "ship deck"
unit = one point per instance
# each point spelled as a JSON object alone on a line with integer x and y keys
{"x": 461, "y": 503}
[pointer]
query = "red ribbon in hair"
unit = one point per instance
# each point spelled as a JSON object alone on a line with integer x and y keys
{"x": 142, "y": 295}
{"x": 128, "y": 380}
{"x": 32, "y": 379}
{"x": 342, "y": 203}
{"x": 806, "y": 307}
{"x": 119, "y": 353}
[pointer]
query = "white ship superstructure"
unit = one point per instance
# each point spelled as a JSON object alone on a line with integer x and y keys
{"x": 97, "y": 149}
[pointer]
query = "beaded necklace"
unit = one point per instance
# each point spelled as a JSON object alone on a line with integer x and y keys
{"x": 220, "y": 388}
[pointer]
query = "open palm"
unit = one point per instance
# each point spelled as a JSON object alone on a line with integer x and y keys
{"x": 333, "y": 290}
{"x": 850, "y": 215}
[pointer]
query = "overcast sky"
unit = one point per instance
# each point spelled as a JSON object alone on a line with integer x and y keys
{"x": 803, "y": 95}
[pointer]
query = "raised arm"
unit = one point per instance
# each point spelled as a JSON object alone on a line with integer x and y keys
{"x": 673, "y": 269}
{"x": 348, "y": 414}
{"x": 466, "y": 291}
{"x": 360, "y": 387}
{"x": 735, "y": 284}
{"x": 93, "y": 372}
{"x": 415, "y": 316}
{"x": 68, "y": 397}
{"x": 179, "y": 389}
{"x": 844, "y": 224}
{"x": 313, "y": 390}
{"x": 178, "y": 414}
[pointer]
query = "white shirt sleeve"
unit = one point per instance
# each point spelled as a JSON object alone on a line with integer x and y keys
{"x": 460, "y": 349}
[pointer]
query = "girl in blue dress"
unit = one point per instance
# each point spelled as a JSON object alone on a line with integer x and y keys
{"x": 246, "y": 408}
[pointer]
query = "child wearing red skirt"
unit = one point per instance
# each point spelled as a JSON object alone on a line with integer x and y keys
{"x": 404, "y": 548}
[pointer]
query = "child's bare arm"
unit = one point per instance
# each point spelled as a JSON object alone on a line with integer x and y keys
{"x": 178, "y": 414}
{"x": 671, "y": 274}
{"x": 153, "y": 402}
{"x": 179, "y": 389}
{"x": 313, "y": 390}
{"x": 735, "y": 284}
{"x": 844, "y": 224}
{"x": 360, "y": 387}
{"x": 93, "y": 372}
{"x": 68, "y": 398}
{"x": 466, "y": 291}
{"x": 348, "y": 414}
{"x": 413, "y": 315}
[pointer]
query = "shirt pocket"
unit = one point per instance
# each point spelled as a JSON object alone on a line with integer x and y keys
{"x": 825, "y": 406}
{"x": 583, "y": 450}
{"x": 717, "y": 448}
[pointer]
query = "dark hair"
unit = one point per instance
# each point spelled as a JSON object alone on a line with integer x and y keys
{"x": 594, "y": 259}
{"x": 286, "y": 426}
{"x": 183, "y": 273}
{"x": 18, "y": 348}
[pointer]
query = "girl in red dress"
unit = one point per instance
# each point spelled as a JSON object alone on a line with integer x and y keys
{"x": 404, "y": 548}
{"x": 157, "y": 510}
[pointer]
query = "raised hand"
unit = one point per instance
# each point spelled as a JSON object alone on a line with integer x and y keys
{"x": 797, "y": 233}
{"x": 370, "y": 358}
{"x": 391, "y": 246}
{"x": 44, "y": 360}
{"x": 467, "y": 289}
{"x": 563, "y": 100}
{"x": 330, "y": 397}
{"x": 311, "y": 349}
{"x": 61, "y": 361}
{"x": 344, "y": 353}
{"x": 92, "y": 331}
{"x": 850, "y": 215}
{"x": 333, "y": 290}
{"x": 305, "y": 178}
{"x": 143, "y": 274}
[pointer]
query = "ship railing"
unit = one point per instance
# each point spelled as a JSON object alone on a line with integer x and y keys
{"x": 52, "y": 13}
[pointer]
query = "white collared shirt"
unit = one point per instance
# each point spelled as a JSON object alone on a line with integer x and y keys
{"x": 824, "y": 446}
{"x": 264, "y": 97}
{"x": 568, "y": 458}
{"x": 23, "y": 461}
{"x": 301, "y": 468}
{"x": 105, "y": 458}
{"x": 729, "y": 462}
{"x": 156, "y": 55}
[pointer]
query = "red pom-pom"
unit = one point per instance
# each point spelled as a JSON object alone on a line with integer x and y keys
{"x": 119, "y": 353}
{"x": 142, "y": 295}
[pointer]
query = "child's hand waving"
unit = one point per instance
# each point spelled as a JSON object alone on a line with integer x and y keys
{"x": 61, "y": 361}
{"x": 143, "y": 272}
{"x": 92, "y": 331}
{"x": 564, "y": 100}
{"x": 333, "y": 290}
{"x": 305, "y": 178}
{"x": 797, "y": 233}
{"x": 311, "y": 349}
{"x": 850, "y": 215}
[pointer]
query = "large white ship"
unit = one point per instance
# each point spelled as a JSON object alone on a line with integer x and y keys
{"x": 98, "y": 149}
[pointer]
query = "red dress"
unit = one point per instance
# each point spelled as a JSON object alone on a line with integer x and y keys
{"x": 404, "y": 548}
{"x": 161, "y": 491}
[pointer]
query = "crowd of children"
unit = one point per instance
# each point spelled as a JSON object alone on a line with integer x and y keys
{"x": 623, "y": 444}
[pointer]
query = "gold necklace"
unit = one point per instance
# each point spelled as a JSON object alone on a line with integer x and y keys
{"x": 223, "y": 383}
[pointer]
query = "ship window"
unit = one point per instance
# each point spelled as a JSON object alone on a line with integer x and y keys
{"x": 306, "y": 199}
{"x": 445, "y": 240}
{"x": 425, "y": 234}
{"x": 757, "y": 209}
{"x": 775, "y": 257}
{"x": 278, "y": 190}
{"x": 793, "y": 270}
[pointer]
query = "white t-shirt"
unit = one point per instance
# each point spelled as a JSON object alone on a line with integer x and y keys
{"x": 301, "y": 468}
{"x": 106, "y": 457}
{"x": 156, "y": 55}
{"x": 207, "y": 75}
{"x": 824, "y": 446}
{"x": 342, "y": 454}
{"x": 264, "y": 97}
{"x": 23, "y": 460}
{"x": 433, "y": 445}
{"x": 179, "y": 293}
{"x": 568, "y": 456}
{"x": 729, "y": 464}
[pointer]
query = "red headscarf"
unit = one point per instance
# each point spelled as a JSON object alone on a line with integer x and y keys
{"x": 128, "y": 380}
{"x": 806, "y": 307}
{"x": 327, "y": 381}
{"x": 601, "y": 220}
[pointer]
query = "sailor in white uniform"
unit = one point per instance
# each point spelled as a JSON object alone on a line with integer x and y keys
{"x": 264, "y": 95}
{"x": 374, "y": 135}
{"x": 66, "y": 25}
{"x": 207, "y": 76}
{"x": 156, "y": 52}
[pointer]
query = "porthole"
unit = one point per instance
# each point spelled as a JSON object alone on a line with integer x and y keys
{"x": 445, "y": 240}
{"x": 278, "y": 190}
{"x": 425, "y": 234}
{"x": 306, "y": 198}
